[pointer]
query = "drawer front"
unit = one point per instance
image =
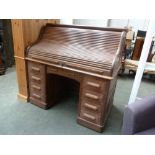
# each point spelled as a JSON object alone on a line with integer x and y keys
{"x": 94, "y": 84}
{"x": 60, "y": 71}
{"x": 92, "y": 97}
{"x": 37, "y": 92}
{"x": 52, "y": 70}
{"x": 36, "y": 80}
{"x": 36, "y": 69}
{"x": 90, "y": 106}
{"x": 94, "y": 118}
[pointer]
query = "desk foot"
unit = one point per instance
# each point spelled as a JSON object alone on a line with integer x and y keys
{"x": 39, "y": 104}
{"x": 90, "y": 125}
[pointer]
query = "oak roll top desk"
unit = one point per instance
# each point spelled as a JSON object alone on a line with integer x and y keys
{"x": 89, "y": 55}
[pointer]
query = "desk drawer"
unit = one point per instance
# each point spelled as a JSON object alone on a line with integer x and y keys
{"x": 91, "y": 117}
{"x": 34, "y": 90}
{"x": 94, "y": 84}
{"x": 52, "y": 70}
{"x": 61, "y": 72}
{"x": 91, "y": 106}
{"x": 36, "y": 69}
{"x": 37, "y": 82}
{"x": 37, "y": 91}
{"x": 92, "y": 97}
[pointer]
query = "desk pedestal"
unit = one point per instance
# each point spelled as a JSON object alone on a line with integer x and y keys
{"x": 95, "y": 94}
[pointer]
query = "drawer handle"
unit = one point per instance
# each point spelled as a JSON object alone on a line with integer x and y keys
{"x": 90, "y": 106}
{"x": 37, "y": 96}
{"x": 93, "y": 84}
{"x": 36, "y": 87}
{"x": 89, "y": 116}
{"x": 70, "y": 74}
{"x": 36, "y": 69}
{"x": 36, "y": 78}
{"x": 53, "y": 69}
{"x": 92, "y": 96}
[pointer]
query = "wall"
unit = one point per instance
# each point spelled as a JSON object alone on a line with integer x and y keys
{"x": 137, "y": 24}
{"x": 91, "y": 22}
{"x": 66, "y": 21}
{"x": 118, "y": 23}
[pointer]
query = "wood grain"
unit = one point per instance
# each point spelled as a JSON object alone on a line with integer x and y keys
{"x": 25, "y": 32}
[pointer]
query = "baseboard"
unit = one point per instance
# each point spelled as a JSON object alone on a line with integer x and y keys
{"x": 22, "y": 97}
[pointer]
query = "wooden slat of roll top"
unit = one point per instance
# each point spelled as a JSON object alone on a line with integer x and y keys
{"x": 87, "y": 44}
{"x": 75, "y": 53}
{"x": 79, "y": 59}
{"x": 74, "y": 32}
{"x": 96, "y": 41}
{"x": 72, "y": 37}
{"x": 91, "y": 57}
{"x": 107, "y": 29}
{"x": 80, "y": 39}
{"x": 52, "y": 57}
{"x": 67, "y": 62}
{"x": 60, "y": 59}
{"x": 83, "y": 39}
{"x": 103, "y": 59}
{"x": 79, "y": 66}
{"x": 100, "y": 45}
{"x": 108, "y": 65}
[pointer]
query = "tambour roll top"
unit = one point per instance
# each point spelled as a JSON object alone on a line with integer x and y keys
{"x": 91, "y": 49}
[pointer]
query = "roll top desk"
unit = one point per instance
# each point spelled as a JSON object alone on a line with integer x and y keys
{"x": 89, "y": 55}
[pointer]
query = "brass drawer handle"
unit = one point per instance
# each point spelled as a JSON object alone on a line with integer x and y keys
{"x": 90, "y": 106}
{"x": 37, "y": 96}
{"x": 36, "y": 69}
{"x": 36, "y": 78}
{"x": 89, "y": 116}
{"x": 92, "y": 96}
{"x": 36, "y": 87}
{"x": 93, "y": 84}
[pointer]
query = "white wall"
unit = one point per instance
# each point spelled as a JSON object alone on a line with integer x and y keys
{"x": 136, "y": 24}
{"x": 139, "y": 24}
{"x": 118, "y": 23}
{"x": 91, "y": 22}
{"x": 66, "y": 21}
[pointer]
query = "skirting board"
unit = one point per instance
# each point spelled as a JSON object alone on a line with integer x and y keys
{"x": 22, "y": 97}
